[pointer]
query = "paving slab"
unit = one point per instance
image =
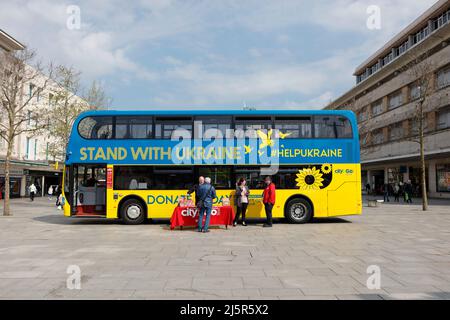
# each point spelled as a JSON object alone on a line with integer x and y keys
{"x": 326, "y": 259}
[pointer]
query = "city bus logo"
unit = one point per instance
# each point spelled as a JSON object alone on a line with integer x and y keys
{"x": 193, "y": 212}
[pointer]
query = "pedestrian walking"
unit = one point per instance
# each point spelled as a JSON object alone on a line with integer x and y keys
{"x": 50, "y": 193}
{"x": 396, "y": 192}
{"x": 206, "y": 194}
{"x": 408, "y": 191}
{"x": 242, "y": 193}
{"x": 386, "y": 192}
{"x": 269, "y": 200}
{"x": 58, "y": 194}
{"x": 368, "y": 188}
{"x": 33, "y": 191}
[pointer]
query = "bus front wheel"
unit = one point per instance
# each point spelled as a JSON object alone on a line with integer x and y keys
{"x": 298, "y": 211}
{"x": 132, "y": 212}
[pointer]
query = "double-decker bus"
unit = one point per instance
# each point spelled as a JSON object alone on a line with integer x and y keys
{"x": 135, "y": 165}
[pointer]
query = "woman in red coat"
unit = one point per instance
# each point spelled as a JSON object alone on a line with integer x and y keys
{"x": 269, "y": 200}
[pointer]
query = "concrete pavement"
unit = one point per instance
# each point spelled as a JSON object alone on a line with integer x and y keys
{"x": 327, "y": 259}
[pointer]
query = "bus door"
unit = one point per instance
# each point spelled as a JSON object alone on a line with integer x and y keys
{"x": 89, "y": 190}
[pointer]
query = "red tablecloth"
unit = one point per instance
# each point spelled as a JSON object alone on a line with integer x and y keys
{"x": 188, "y": 216}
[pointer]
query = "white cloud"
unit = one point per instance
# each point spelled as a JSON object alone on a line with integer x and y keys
{"x": 186, "y": 61}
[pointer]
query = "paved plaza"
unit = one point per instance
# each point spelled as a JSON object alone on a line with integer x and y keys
{"x": 327, "y": 259}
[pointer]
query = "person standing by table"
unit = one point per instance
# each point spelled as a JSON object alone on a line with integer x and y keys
{"x": 206, "y": 193}
{"x": 242, "y": 193}
{"x": 269, "y": 200}
{"x": 194, "y": 188}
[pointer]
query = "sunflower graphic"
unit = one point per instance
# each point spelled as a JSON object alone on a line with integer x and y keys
{"x": 309, "y": 179}
{"x": 326, "y": 168}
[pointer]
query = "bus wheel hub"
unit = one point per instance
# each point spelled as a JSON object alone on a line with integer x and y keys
{"x": 133, "y": 212}
{"x": 298, "y": 211}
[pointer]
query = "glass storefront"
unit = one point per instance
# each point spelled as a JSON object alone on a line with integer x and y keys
{"x": 15, "y": 184}
{"x": 443, "y": 178}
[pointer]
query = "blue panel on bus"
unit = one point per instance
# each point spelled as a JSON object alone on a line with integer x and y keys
{"x": 229, "y": 151}
{"x": 220, "y": 151}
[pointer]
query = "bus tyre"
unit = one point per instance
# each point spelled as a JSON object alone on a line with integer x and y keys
{"x": 132, "y": 212}
{"x": 298, "y": 211}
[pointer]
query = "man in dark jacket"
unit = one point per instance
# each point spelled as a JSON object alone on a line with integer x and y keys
{"x": 194, "y": 188}
{"x": 206, "y": 194}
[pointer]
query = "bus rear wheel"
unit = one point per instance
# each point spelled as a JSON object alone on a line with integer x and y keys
{"x": 132, "y": 212}
{"x": 298, "y": 210}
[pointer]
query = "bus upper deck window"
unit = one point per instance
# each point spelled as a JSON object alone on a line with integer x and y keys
{"x": 165, "y": 127}
{"x": 294, "y": 127}
{"x": 96, "y": 127}
{"x": 128, "y": 127}
{"x": 332, "y": 127}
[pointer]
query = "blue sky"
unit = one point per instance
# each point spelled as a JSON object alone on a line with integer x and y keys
{"x": 167, "y": 54}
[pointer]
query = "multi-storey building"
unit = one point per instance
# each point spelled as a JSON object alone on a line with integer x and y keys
{"x": 385, "y": 99}
{"x": 31, "y": 160}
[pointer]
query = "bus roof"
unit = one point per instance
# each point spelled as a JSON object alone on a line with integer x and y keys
{"x": 185, "y": 112}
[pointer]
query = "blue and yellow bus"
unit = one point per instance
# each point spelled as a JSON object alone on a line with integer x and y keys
{"x": 135, "y": 165}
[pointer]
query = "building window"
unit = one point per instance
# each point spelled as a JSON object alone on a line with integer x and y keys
{"x": 51, "y": 98}
{"x": 444, "y": 119}
{"x": 27, "y": 152}
{"x": 396, "y": 131}
{"x": 402, "y": 49}
{"x": 443, "y": 19}
{"x": 443, "y": 78}
{"x": 414, "y": 92}
{"x": 363, "y": 115}
{"x": 443, "y": 178}
{"x": 363, "y": 139}
{"x": 377, "y": 137}
{"x": 377, "y": 107}
{"x": 395, "y": 100}
{"x": 31, "y": 89}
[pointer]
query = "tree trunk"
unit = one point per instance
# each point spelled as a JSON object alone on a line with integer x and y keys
{"x": 6, "y": 211}
{"x": 422, "y": 163}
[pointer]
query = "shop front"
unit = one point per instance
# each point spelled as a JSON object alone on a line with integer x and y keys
{"x": 42, "y": 179}
{"x": 443, "y": 178}
{"x": 15, "y": 185}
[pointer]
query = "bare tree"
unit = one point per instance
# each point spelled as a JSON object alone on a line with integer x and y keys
{"x": 20, "y": 86}
{"x": 96, "y": 97}
{"x": 421, "y": 69}
{"x": 364, "y": 130}
{"x": 66, "y": 106}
